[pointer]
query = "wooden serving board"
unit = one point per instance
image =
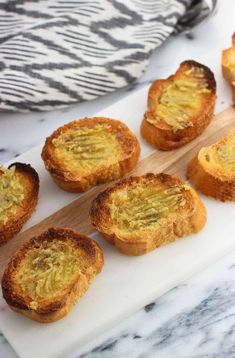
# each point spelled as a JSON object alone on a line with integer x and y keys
{"x": 76, "y": 214}
{"x": 126, "y": 283}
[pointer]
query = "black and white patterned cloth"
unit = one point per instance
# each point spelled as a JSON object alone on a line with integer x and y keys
{"x": 57, "y": 52}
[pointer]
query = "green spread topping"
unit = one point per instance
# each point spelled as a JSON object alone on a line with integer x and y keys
{"x": 180, "y": 98}
{"x": 86, "y": 148}
{"x": 141, "y": 208}
{"x": 46, "y": 270}
{"x": 11, "y": 193}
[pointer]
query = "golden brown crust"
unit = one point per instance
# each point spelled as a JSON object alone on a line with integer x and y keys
{"x": 67, "y": 180}
{"x": 30, "y": 180}
{"x": 228, "y": 66}
{"x": 48, "y": 310}
{"x": 208, "y": 179}
{"x": 143, "y": 242}
{"x": 233, "y": 92}
{"x": 160, "y": 134}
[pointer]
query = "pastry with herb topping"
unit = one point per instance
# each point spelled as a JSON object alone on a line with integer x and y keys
{"x": 90, "y": 151}
{"x": 47, "y": 276}
{"x": 139, "y": 214}
{"x": 212, "y": 170}
{"x": 19, "y": 186}
{"x": 228, "y": 66}
{"x": 179, "y": 107}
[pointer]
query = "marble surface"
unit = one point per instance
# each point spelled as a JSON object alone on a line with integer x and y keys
{"x": 196, "y": 319}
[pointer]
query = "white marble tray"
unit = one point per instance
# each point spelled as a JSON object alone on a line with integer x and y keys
{"x": 126, "y": 283}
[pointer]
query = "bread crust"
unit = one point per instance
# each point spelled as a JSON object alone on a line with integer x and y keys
{"x": 228, "y": 72}
{"x": 228, "y": 68}
{"x": 160, "y": 134}
{"x": 30, "y": 180}
{"x": 233, "y": 92}
{"x": 139, "y": 243}
{"x": 209, "y": 180}
{"x": 67, "y": 180}
{"x": 51, "y": 309}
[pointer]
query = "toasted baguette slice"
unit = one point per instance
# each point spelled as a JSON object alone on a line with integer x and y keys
{"x": 19, "y": 186}
{"x": 228, "y": 66}
{"x": 179, "y": 107}
{"x": 90, "y": 151}
{"x": 46, "y": 277}
{"x": 213, "y": 169}
{"x": 142, "y": 213}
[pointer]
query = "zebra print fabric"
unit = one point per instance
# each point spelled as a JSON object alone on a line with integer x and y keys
{"x": 57, "y": 52}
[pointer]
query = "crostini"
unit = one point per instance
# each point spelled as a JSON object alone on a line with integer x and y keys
{"x": 90, "y": 151}
{"x": 212, "y": 170}
{"x": 46, "y": 277}
{"x": 19, "y": 187}
{"x": 179, "y": 107}
{"x": 139, "y": 214}
{"x": 228, "y": 66}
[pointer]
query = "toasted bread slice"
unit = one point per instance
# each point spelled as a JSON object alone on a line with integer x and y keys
{"x": 46, "y": 277}
{"x": 142, "y": 213}
{"x": 90, "y": 151}
{"x": 179, "y": 107}
{"x": 212, "y": 170}
{"x": 19, "y": 186}
{"x": 228, "y": 66}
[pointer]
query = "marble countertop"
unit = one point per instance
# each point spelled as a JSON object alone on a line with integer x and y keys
{"x": 197, "y": 318}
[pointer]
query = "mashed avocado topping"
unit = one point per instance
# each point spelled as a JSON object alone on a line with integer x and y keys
{"x": 180, "y": 98}
{"x": 87, "y": 147}
{"x": 224, "y": 154}
{"x": 46, "y": 270}
{"x": 142, "y": 207}
{"x": 11, "y": 193}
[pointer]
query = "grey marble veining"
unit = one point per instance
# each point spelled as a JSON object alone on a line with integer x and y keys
{"x": 196, "y": 319}
{"x": 5, "y": 349}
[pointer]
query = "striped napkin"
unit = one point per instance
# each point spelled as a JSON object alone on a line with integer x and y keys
{"x": 57, "y": 52}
